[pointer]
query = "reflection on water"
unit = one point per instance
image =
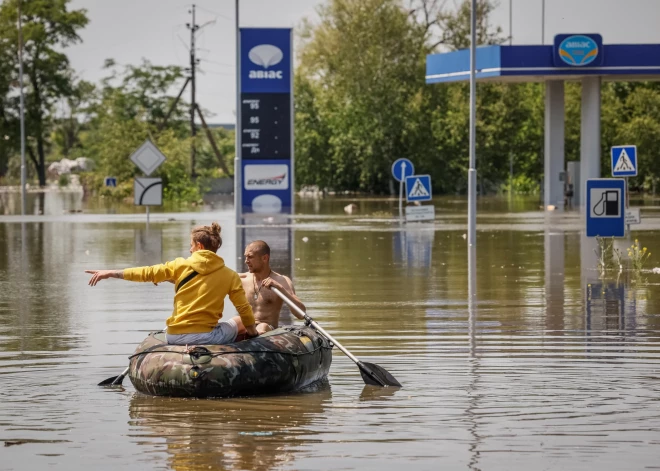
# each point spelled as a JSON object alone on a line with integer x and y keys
{"x": 206, "y": 434}
{"x": 515, "y": 354}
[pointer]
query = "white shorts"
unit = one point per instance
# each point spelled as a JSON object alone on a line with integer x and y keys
{"x": 225, "y": 332}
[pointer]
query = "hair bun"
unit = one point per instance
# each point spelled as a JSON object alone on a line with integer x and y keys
{"x": 215, "y": 228}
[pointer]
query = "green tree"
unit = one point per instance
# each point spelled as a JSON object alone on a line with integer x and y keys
{"x": 48, "y": 28}
{"x": 129, "y": 108}
{"x": 365, "y": 63}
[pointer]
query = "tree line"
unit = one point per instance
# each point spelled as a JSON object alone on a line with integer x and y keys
{"x": 361, "y": 101}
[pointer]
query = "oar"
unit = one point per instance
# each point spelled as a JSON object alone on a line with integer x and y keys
{"x": 115, "y": 380}
{"x": 371, "y": 373}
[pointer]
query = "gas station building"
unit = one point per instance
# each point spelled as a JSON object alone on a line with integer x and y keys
{"x": 572, "y": 57}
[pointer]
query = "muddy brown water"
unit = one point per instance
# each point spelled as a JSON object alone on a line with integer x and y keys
{"x": 549, "y": 366}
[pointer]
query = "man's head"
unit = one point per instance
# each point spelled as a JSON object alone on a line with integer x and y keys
{"x": 205, "y": 238}
{"x": 257, "y": 256}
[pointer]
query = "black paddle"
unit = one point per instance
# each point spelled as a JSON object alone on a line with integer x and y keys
{"x": 371, "y": 373}
{"x": 115, "y": 380}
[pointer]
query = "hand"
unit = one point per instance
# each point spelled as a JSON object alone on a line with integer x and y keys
{"x": 270, "y": 283}
{"x": 98, "y": 275}
{"x": 251, "y": 331}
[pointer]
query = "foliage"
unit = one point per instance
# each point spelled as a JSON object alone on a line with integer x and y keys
{"x": 605, "y": 254}
{"x": 48, "y": 28}
{"x": 638, "y": 255}
{"x": 63, "y": 180}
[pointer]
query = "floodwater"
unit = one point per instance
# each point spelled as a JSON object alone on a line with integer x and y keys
{"x": 523, "y": 359}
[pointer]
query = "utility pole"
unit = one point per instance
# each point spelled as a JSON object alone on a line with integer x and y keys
{"x": 193, "y": 65}
{"x": 22, "y": 112}
{"x": 238, "y": 203}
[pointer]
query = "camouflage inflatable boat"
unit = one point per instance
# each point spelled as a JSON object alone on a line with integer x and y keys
{"x": 284, "y": 359}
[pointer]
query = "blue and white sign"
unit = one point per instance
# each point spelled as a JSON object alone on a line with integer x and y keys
{"x": 606, "y": 205}
{"x": 265, "y": 127}
{"x": 266, "y": 186}
{"x": 110, "y": 181}
{"x": 418, "y": 188}
{"x": 578, "y": 50}
{"x": 402, "y": 168}
{"x": 624, "y": 161}
{"x": 266, "y": 60}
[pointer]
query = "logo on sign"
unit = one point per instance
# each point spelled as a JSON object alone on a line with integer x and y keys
{"x": 266, "y": 177}
{"x": 605, "y": 202}
{"x": 266, "y": 55}
{"x": 578, "y": 50}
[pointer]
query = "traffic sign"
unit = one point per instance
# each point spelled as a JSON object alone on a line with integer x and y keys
{"x": 418, "y": 188}
{"x": 632, "y": 216}
{"x": 624, "y": 161}
{"x": 402, "y": 168}
{"x": 148, "y": 191}
{"x": 148, "y": 157}
{"x": 110, "y": 181}
{"x": 606, "y": 207}
{"x": 420, "y": 213}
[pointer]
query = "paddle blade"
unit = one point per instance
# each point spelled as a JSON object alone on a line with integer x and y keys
{"x": 376, "y": 375}
{"x": 115, "y": 380}
{"x": 109, "y": 381}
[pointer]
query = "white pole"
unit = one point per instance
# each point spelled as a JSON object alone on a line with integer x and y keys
{"x": 403, "y": 175}
{"x": 542, "y": 21}
{"x": 510, "y": 22}
{"x": 22, "y": 106}
{"x": 238, "y": 202}
{"x": 472, "y": 173}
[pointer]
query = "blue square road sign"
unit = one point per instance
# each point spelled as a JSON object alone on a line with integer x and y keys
{"x": 418, "y": 188}
{"x": 624, "y": 161}
{"x": 605, "y": 208}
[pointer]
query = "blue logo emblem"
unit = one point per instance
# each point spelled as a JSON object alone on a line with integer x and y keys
{"x": 578, "y": 50}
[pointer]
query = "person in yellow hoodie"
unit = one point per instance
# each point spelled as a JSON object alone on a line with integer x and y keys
{"x": 201, "y": 283}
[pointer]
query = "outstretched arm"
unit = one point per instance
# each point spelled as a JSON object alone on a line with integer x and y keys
{"x": 98, "y": 275}
{"x": 287, "y": 289}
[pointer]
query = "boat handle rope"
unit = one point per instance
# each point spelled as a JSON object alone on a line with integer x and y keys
{"x": 216, "y": 354}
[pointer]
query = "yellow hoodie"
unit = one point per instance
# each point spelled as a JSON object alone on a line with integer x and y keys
{"x": 199, "y": 303}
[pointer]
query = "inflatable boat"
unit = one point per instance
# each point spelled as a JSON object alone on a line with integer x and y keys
{"x": 282, "y": 360}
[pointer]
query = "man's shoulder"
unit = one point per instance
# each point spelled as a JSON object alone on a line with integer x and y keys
{"x": 279, "y": 277}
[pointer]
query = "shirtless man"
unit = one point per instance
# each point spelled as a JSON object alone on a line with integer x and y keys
{"x": 266, "y": 305}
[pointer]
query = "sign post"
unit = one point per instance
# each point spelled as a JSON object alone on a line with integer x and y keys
{"x": 148, "y": 191}
{"x": 606, "y": 207}
{"x": 402, "y": 168}
{"x": 624, "y": 164}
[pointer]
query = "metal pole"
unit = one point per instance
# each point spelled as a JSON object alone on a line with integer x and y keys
{"x": 238, "y": 203}
{"x": 22, "y": 111}
{"x": 401, "y": 195}
{"x": 193, "y": 65}
{"x": 510, "y": 22}
{"x": 542, "y": 21}
{"x": 472, "y": 173}
{"x": 627, "y": 196}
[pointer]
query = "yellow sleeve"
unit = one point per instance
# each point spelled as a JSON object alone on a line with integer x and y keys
{"x": 156, "y": 274}
{"x": 240, "y": 302}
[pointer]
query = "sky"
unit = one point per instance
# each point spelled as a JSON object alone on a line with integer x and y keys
{"x": 130, "y": 30}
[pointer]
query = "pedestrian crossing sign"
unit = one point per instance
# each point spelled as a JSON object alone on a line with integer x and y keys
{"x": 624, "y": 161}
{"x": 418, "y": 188}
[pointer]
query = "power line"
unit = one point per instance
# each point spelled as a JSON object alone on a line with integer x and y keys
{"x": 215, "y": 13}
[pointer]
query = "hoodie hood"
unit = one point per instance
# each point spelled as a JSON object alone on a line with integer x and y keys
{"x": 205, "y": 262}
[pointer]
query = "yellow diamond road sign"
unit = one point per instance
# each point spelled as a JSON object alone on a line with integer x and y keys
{"x": 148, "y": 157}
